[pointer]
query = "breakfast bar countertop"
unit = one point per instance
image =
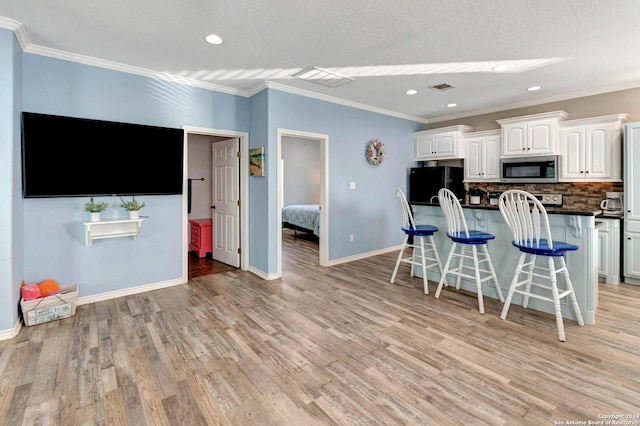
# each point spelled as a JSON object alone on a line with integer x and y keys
{"x": 550, "y": 209}
{"x": 577, "y": 227}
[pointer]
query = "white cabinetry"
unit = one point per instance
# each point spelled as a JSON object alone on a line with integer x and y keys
{"x": 535, "y": 134}
{"x": 632, "y": 258}
{"x": 591, "y": 149}
{"x": 609, "y": 250}
{"x": 482, "y": 163}
{"x": 632, "y": 204}
{"x": 440, "y": 144}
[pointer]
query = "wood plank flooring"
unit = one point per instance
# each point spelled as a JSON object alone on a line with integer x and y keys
{"x": 199, "y": 266}
{"x": 321, "y": 346}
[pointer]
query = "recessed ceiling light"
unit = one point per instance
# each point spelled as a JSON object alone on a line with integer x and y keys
{"x": 534, "y": 88}
{"x": 213, "y": 39}
{"x": 411, "y": 92}
{"x": 451, "y": 105}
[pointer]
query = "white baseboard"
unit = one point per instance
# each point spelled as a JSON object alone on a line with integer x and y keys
{"x": 363, "y": 255}
{"x": 12, "y": 332}
{"x": 128, "y": 291}
{"x": 263, "y": 274}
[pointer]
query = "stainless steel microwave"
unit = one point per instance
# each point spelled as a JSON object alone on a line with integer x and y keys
{"x": 543, "y": 169}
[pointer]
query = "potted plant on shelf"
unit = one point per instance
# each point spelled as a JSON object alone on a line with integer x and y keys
{"x": 133, "y": 207}
{"x": 95, "y": 210}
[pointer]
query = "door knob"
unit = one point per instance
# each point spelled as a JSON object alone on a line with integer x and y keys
{"x": 213, "y": 207}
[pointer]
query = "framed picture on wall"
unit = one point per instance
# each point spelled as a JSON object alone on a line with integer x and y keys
{"x": 256, "y": 161}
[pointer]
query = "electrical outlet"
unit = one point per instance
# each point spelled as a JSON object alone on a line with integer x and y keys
{"x": 352, "y": 185}
{"x": 351, "y": 237}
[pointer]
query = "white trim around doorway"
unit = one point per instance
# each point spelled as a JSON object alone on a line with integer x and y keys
{"x": 244, "y": 193}
{"x": 324, "y": 192}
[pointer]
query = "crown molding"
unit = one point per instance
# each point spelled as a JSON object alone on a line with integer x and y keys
{"x": 23, "y": 39}
{"x": 116, "y": 66}
{"x": 547, "y": 100}
{"x": 332, "y": 99}
{"x": 9, "y": 24}
{"x": 18, "y": 30}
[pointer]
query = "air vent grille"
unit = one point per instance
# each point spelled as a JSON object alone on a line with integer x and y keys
{"x": 442, "y": 87}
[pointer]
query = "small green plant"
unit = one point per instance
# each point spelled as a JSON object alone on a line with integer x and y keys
{"x": 131, "y": 206}
{"x": 92, "y": 207}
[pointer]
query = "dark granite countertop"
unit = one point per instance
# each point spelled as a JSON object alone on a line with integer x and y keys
{"x": 550, "y": 210}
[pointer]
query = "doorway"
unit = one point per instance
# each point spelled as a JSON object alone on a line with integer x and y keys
{"x": 203, "y": 140}
{"x": 323, "y": 151}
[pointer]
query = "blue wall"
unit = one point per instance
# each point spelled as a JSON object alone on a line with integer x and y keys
{"x": 47, "y": 235}
{"x": 11, "y": 248}
{"x": 259, "y": 253}
{"x": 370, "y": 212}
{"x": 54, "y": 235}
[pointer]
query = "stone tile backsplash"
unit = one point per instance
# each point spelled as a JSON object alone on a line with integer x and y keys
{"x": 579, "y": 196}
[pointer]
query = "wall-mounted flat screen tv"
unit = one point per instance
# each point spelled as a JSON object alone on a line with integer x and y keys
{"x": 73, "y": 157}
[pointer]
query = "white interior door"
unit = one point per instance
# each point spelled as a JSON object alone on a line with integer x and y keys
{"x": 225, "y": 206}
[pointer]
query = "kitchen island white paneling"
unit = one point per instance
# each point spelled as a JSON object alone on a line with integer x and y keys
{"x": 572, "y": 227}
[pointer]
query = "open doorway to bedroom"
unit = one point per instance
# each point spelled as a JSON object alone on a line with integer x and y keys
{"x": 216, "y": 179}
{"x": 302, "y": 198}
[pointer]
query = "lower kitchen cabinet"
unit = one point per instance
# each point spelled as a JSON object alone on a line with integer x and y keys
{"x": 609, "y": 250}
{"x": 632, "y": 258}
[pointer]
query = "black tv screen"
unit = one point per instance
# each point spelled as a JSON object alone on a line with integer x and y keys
{"x": 73, "y": 157}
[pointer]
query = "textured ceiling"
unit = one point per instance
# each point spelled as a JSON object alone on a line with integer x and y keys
{"x": 570, "y": 47}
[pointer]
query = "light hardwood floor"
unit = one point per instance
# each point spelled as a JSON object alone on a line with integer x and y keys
{"x": 321, "y": 346}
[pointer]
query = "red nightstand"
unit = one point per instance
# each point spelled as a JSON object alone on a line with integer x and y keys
{"x": 200, "y": 236}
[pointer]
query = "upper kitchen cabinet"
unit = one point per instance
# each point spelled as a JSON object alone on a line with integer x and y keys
{"x": 440, "y": 144}
{"x": 482, "y": 162}
{"x": 535, "y": 134}
{"x": 591, "y": 149}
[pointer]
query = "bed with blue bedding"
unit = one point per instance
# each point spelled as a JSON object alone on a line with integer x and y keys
{"x": 302, "y": 217}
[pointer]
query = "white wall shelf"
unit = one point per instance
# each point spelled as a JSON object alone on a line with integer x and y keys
{"x": 112, "y": 229}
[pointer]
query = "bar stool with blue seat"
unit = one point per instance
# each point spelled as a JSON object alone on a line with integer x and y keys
{"x": 423, "y": 251}
{"x": 528, "y": 221}
{"x": 464, "y": 239}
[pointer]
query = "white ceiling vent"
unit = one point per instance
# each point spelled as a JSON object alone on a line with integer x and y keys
{"x": 442, "y": 87}
{"x": 323, "y": 77}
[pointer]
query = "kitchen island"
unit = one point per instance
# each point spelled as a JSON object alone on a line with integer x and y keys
{"x": 574, "y": 227}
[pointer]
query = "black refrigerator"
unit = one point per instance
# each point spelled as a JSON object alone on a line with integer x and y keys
{"x": 425, "y": 182}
